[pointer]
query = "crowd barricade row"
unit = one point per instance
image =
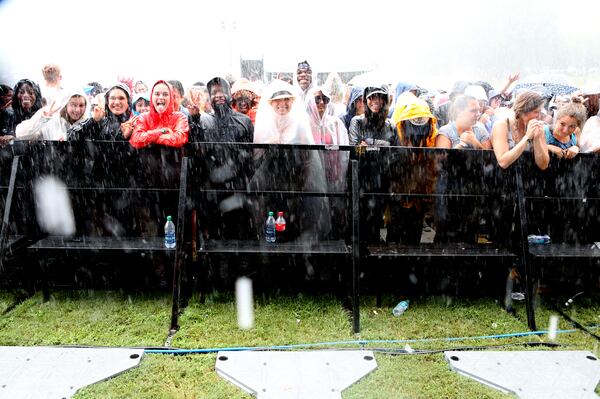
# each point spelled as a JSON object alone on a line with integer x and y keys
{"x": 17, "y": 230}
{"x": 562, "y": 202}
{"x": 232, "y": 188}
{"x": 431, "y": 214}
{"x": 381, "y": 211}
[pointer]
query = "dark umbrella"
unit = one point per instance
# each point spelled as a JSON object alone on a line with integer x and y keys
{"x": 547, "y": 90}
{"x": 547, "y": 85}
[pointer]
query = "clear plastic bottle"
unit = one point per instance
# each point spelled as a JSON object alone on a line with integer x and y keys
{"x": 535, "y": 239}
{"x": 270, "y": 228}
{"x": 517, "y": 296}
{"x": 169, "y": 233}
{"x": 400, "y": 308}
{"x": 280, "y": 227}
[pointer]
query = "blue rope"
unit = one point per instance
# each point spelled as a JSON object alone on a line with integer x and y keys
{"x": 355, "y": 342}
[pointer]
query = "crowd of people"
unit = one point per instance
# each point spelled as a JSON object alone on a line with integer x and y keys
{"x": 302, "y": 112}
{"x": 469, "y": 116}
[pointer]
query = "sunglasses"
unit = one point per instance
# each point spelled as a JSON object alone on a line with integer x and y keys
{"x": 323, "y": 99}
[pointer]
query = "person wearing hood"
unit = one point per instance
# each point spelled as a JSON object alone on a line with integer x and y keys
{"x": 355, "y": 106}
{"x": 416, "y": 125}
{"x": 329, "y": 130}
{"x": 401, "y": 88}
{"x": 54, "y": 120}
{"x": 325, "y": 127}
{"x": 111, "y": 117}
{"x": 336, "y": 91}
{"x": 225, "y": 124}
{"x": 374, "y": 127}
{"x": 222, "y": 166}
{"x": 141, "y": 103}
{"x": 162, "y": 125}
{"x": 26, "y": 101}
{"x": 245, "y": 98}
{"x": 281, "y": 118}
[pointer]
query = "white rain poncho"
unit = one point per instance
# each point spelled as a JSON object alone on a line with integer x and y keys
{"x": 273, "y": 128}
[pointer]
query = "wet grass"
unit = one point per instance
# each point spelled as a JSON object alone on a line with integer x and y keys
{"x": 96, "y": 318}
{"x": 114, "y": 319}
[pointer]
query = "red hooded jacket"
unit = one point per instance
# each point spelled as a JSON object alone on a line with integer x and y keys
{"x": 147, "y": 129}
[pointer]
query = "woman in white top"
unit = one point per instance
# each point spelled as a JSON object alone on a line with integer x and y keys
{"x": 54, "y": 120}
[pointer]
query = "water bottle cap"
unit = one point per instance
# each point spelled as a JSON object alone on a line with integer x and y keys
{"x": 169, "y": 218}
{"x": 270, "y": 213}
{"x": 279, "y": 213}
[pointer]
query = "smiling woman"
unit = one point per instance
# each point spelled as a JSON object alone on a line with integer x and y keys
{"x": 162, "y": 124}
{"x": 280, "y": 118}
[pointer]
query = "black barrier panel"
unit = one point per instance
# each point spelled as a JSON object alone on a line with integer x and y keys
{"x": 563, "y": 201}
{"x": 462, "y": 195}
{"x": 115, "y": 190}
{"x": 20, "y": 219}
{"x": 235, "y": 185}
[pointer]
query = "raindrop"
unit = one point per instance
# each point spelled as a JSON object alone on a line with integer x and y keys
{"x": 53, "y": 207}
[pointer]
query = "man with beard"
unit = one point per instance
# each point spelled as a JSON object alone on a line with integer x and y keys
{"x": 223, "y": 216}
{"x": 225, "y": 124}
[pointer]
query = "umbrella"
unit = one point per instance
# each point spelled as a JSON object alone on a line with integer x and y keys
{"x": 376, "y": 78}
{"x": 547, "y": 90}
{"x": 554, "y": 78}
{"x": 546, "y": 84}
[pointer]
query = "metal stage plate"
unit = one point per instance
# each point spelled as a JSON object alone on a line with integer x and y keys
{"x": 57, "y": 372}
{"x": 295, "y": 375}
{"x": 531, "y": 374}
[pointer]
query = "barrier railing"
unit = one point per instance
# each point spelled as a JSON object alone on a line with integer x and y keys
{"x": 345, "y": 203}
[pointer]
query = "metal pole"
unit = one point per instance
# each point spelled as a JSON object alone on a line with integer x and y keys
{"x": 355, "y": 249}
{"x": 181, "y": 245}
{"x": 524, "y": 247}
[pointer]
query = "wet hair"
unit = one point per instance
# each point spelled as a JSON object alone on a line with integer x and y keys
{"x": 527, "y": 101}
{"x": 176, "y": 84}
{"x": 459, "y": 104}
{"x": 4, "y": 91}
{"x": 51, "y": 73}
{"x": 573, "y": 109}
{"x": 376, "y": 121}
{"x": 20, "y": 113}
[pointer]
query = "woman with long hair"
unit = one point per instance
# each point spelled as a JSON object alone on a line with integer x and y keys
{"x": 522, "y": 131}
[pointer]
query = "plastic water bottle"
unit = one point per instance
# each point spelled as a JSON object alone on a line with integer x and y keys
{"x": 270, "y": 228}
{"x": 400, "y": 308}
{"x": 534, "y": 239}
{"x": 517, "y": 296}
{"x": 280, "y": 227}
{"x": 169, "y": 233}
